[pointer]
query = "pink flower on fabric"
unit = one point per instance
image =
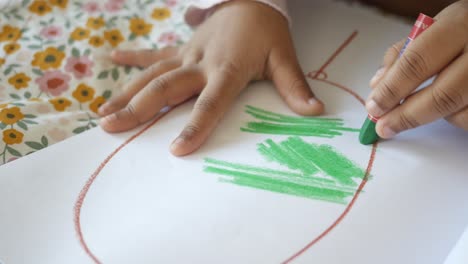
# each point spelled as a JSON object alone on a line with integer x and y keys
{"x": 53, "y": 82}
{"x": 171, "y": 3}
{"x": 51, "y": 32}
{"x": 80, "y": 67}
{"x": 169, "y": 38}
{"x": 91, "y": 7}
{"x": 113, "y": 5}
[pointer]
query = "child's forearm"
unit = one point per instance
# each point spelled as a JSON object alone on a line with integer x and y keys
{"x": 200, "y": 9}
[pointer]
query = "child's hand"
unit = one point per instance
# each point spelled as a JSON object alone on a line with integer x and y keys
{"x": 443, "y": 49}
{"x": 241, "y": 42}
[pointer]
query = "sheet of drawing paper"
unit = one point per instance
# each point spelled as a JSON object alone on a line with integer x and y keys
{"x": 267, "y": 187}
{"x": 459, "y": 254}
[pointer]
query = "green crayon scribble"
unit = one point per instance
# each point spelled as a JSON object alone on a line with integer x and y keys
{"x": 278, "y": 124}
{"x": 310, "y": 158}
{"x": 313, "y": 171}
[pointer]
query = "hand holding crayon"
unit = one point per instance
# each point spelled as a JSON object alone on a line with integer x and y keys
{"x": 441, "y": 49}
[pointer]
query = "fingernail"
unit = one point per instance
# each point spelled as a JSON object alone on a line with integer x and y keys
{"x": 388, "y": 132}
{"x": 176, "y": 142}
{"x": 312, "y": 101}
{"x": 377, "y": 75}
{"x": 109, "y": 118}
{"x": 374, "y": 109}
{"x": 115, "y": 54}
{"x": 104, "y": 109}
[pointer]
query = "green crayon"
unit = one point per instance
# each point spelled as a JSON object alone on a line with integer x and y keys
{"x": 368, "y": 135}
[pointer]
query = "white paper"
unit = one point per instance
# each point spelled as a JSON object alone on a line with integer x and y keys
{"x": 147, "y": 206}
{"x": 459, "y": 254}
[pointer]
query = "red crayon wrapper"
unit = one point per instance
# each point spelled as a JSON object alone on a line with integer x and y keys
{"x": 372, "y": 118}
{"x": 421, "y": 24}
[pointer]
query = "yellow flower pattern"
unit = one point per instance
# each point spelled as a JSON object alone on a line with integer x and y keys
{"x": 50, "y": 63}
{"x": 60, "y": 103}
{"x": 11, "y": 48}
{"x": 96, "y": 41}
{"x": 19, "y": 80}
{"x": 50, "y": 58}
{"x": 139, "y": 27}
{"x": 95, "y": 23}
{"x": 10, "y": 116}
{"x": 40, "y": 7}
{"x": 114, "y": 37}
{"x": 83, "y": 93}
{"x": 80, "y": 34}
{"x": 10, "y": 33}
{"x": 161, "y": 14}
{"x": 97, "y": 102}
{"x": 12, "y": 136}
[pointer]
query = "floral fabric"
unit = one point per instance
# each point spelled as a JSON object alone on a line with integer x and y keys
{"x": 54, "y": 66}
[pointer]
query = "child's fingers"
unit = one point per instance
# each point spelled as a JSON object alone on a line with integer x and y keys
{"x": 459, "y": 119}
{"x": 427, "y": 55}
{"x": 167, "y": 90}
{"x": 211, "y": 105}
{"x": 290, "y": 82}
{"x": 447, "y": 95}
{"x": 138, "y": 83}
{"x": 389, "y": 59}
{"x": 143, "y": 58}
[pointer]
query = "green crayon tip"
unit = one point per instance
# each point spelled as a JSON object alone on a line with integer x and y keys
{"x": 368, "y": 135}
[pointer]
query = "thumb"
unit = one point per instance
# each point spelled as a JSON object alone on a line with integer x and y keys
{"x": 290, "y": 81}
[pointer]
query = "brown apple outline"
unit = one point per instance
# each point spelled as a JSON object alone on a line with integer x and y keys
{"x": 320, "y": 76}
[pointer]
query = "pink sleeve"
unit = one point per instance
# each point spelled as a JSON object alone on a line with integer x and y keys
{"x": 199, "y": 10}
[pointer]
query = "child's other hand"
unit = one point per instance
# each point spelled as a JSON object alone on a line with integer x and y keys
{"x": 241, "y": 42}
{"x": 440, "y": 49}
